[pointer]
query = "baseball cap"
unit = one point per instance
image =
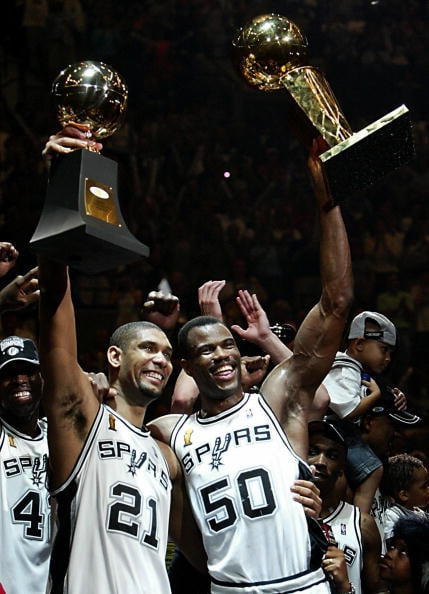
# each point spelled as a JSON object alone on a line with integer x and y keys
{"x": 15, "y": 348}
{"x": 328, "y": 429}
{"x": 385, "y": 333}
{"x": 385, "y": 405}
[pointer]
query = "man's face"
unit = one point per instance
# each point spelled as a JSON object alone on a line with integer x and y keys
{"x": 328, "y": 457}
{"x": 146, "y": 363}
{"x": 375, "y": 355}
{"x": 20, "y": 389}
{"x": 214, "y": 361}
{"x": 379, "y": 433}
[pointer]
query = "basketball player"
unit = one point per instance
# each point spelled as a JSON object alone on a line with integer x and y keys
{"x": 25, "y": 534}
{"x": 112, "y": 481}
{"x": 242, "y": 452}
{"x": 354, "y": 532}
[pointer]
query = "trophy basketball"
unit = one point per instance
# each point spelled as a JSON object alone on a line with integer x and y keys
{"x": 81, "y": 223}
{"x": 270, "y": 53}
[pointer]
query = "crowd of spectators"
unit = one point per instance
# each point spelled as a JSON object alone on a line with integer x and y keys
{"x": 211, "y": 177}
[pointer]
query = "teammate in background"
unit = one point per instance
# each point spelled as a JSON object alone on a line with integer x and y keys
{"x": 242, "y": 452}
{"x": 354, "y": 532}
{"x": 25, "y": 531}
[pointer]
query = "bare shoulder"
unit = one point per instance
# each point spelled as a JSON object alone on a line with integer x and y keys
{"x": 172, "y": 461}
{"x": 161, "y": 428}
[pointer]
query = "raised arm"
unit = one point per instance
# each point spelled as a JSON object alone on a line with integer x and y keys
{"x": 291, "y": 386}
{"x": 68, "y": 399}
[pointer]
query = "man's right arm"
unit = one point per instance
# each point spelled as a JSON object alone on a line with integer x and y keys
{"x": 68, "y": 399}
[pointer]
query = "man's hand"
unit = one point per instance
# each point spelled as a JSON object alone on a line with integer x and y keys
{"x": 21, "y": 292}
{"x": 306, "y": 493}
{"x": 162, "y": 310}
{"x": 208, "y": 299}
{"x": 8, "y": 256}
{"x": 334, "y": 564}
{"x": 101, "y": 387}
{"x": 69, "y": 139}
{"x": 400, "y": 399}
{"x": 317, "y": 175}
{"x": 253, "y": 370}
{"x": 258, "y": 326}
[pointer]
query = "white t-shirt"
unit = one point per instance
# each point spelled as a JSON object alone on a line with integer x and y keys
{"x": 344, "y": 385}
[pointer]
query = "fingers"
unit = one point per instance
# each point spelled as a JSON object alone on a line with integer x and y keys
{"x": 162, "y": 303}
{"x": 70, "y": 139}
{"x": 8, "y": 252}
{"x": 307, "y": 494}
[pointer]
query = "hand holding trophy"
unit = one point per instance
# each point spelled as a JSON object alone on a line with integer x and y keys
{"x": 270, "y": 53}
{"x": 81, "y": 222}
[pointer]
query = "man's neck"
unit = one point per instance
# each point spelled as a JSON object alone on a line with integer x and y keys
{"x": 211, "y": 407}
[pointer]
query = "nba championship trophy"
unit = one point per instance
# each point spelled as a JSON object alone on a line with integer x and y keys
{"x": 81, "y": 222}
{"x": 270, "y": 53}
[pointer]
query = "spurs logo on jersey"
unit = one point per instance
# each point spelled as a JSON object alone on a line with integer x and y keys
{"x": 114, "y": 449}
{"x": 211, "y": 452}
{"x": 33, "y": 467}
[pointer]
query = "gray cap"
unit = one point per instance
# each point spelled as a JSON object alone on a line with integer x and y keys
{"x": 386, "y": 332}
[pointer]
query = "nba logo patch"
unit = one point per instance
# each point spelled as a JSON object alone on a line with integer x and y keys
{"x": 343, "y": 529}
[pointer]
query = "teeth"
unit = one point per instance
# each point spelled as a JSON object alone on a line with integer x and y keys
{"x": 224, "y": 368}
{"x": 155, "y": 375}
{"x": 22, "y": 394}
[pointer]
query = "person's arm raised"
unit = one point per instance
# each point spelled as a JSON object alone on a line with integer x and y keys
{"x": 68, "y": 398}
{"x": 291, "y": 386}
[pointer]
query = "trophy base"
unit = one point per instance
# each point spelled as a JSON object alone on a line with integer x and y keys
{"x": 368, "y": 155}
{"x": 81, "y": 223}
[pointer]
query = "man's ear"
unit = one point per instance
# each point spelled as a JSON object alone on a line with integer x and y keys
{"x": 186, "y": 366}
{"x": 114, "y": 356}
{"x": 403, "y": 496}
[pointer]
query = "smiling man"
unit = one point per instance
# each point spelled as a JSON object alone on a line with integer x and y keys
{"x": 25, "y": 513}
{"x": 242, "y": 452}
{"x": 114, "y": 484}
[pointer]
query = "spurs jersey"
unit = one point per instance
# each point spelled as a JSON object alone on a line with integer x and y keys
{"x": 239, "y": 467}
{"x": 344, "y": 522}
{"x": 25, "y": 540}
{"x": 113, "y": 514}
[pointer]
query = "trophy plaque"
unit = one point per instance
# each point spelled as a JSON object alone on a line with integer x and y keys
{"x": 81, "y": 223}
{"x": 270, "y": 53}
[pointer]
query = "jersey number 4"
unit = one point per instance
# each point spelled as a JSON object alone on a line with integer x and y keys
{"x": 28, "y": 511}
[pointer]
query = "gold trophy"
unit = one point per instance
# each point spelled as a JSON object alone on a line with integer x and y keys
{"x": 81, "y": 222}
{"x": 270, "y": 53}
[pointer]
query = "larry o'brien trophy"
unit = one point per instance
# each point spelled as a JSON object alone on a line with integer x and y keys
{"x": 270, "y": 53}
{"x": 81, "y": 223}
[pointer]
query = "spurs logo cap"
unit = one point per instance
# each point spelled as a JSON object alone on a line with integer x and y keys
{"x": 385, "y": 405}
{"x": 15, "y": 348}
{"x": 386, "y": 331}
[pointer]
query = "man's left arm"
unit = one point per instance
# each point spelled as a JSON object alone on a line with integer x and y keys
{"x": 291, "y": 386}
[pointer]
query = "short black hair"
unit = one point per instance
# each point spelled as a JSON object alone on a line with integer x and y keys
{"x": 182, "y": 337}
{"x": 414, "y": 530}
{"x": 123, "y": 335}
{"x": 399, "y": 473}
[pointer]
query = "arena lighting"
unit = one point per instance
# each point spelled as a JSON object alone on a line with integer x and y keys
{"x": 226, "y": 174}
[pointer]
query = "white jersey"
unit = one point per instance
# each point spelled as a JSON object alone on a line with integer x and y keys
{"x": 113, "y": 514}
{"x": 25, "y": 539}
{"x": 239, "y": 467}
{"x": 344, "y": 522}
{"x": 379, "y": 506}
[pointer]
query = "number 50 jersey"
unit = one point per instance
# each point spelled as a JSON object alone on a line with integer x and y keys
{"x": 25, "y": 540}
{"x": 239, "y": 468}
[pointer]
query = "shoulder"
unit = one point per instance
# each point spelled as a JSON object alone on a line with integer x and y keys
{"x": 174, "y": 467}
{"x": 161, "y": 428}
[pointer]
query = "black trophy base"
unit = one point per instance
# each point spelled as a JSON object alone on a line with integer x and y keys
{"x": 77, "y": 227}
{"x": 370, "y": 154}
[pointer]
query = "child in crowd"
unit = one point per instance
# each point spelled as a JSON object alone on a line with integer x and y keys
{"x": 406, "y": 482}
